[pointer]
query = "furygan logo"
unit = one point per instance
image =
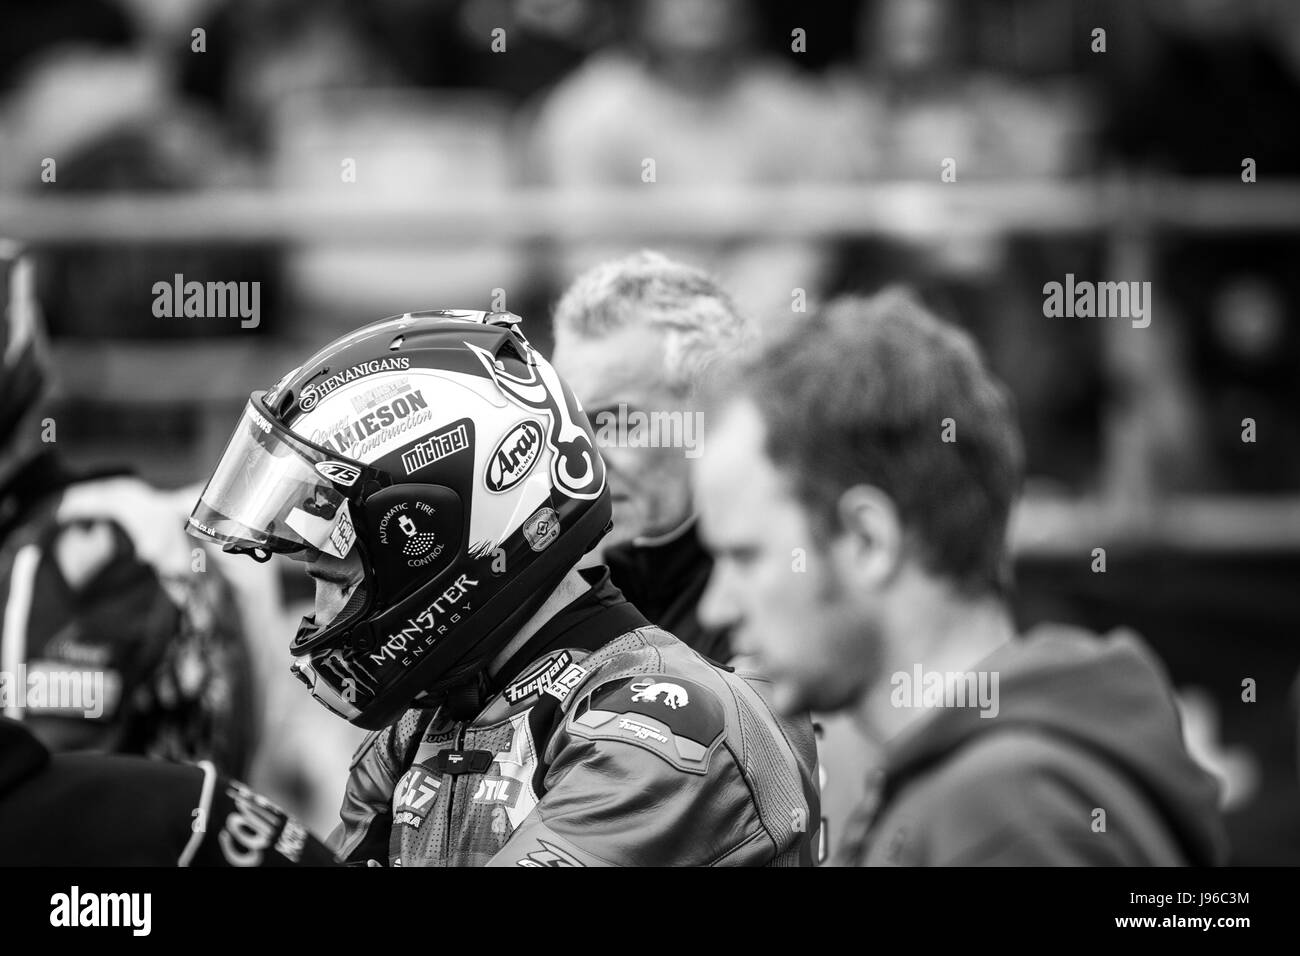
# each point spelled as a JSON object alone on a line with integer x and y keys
{"x": 538, "y": 679}
{"x": 642, "y": 731}
{"x": 514, "y": 457}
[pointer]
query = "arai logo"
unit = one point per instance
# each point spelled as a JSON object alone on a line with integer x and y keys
{"x": 514, "y": 457}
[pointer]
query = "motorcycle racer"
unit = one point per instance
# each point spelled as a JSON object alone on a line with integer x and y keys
{"x": 441, "y": 483}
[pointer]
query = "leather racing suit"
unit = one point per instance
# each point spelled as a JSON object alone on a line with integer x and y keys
{"x": 604, "y": 741}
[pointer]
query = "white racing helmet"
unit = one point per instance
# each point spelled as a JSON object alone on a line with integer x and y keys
{"x": 448, "y": 454}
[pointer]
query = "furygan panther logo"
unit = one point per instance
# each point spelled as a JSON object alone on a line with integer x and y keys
{"x": 647, "y": 691}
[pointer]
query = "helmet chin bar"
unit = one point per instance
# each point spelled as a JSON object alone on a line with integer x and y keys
{"x": 328, "y": 697}
{"x": 482, "y": 638}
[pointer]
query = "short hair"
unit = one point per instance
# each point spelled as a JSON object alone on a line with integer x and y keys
{"x": 860, "y": 394}
{"x": 700, "y": 322}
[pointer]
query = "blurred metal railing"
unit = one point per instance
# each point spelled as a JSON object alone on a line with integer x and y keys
{"x": 1126, "y": 213}
{"x": 905, "y": 209}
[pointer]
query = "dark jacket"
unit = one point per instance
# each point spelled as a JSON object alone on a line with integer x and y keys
{"x": 1084, "y": 764}
{"x": 665, "y": 580}
{"x": 87, "y": 809}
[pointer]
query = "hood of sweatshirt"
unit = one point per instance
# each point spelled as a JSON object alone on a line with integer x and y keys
{"x": 1107, "y": 694}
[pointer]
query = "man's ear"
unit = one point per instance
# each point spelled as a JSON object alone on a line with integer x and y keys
{"x": 871, "y": 536}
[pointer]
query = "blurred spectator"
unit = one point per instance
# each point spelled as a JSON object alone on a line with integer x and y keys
{"x": 378, "y": 149}
{"x": 444, "y": 44}
{"x": 639, "y": 337}
{"x": 313, "y": 91}
{"x": 51, "y": 24}
{"x": 100, "y": 586}
{"x": 455, "y": 44}
{"x": 916, "y": 97}
{"x": 284, "y": 48}
{"x": 690, "y": 93}
{"x": 999, "y": 749}
{"x": 111, "y": 123}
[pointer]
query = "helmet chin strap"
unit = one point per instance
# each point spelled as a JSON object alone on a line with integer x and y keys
{"x": 307, "y": 629}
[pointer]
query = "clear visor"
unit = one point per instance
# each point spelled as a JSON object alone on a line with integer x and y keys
{"x": 267, "y": 494}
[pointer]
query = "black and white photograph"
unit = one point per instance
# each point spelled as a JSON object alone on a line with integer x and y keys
{"x": 647, "y": 434}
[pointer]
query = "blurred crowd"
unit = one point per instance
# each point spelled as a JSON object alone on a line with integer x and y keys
{"x": 436, "y": 98}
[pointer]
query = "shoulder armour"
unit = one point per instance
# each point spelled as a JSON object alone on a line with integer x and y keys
{"x": 677, "y": 719}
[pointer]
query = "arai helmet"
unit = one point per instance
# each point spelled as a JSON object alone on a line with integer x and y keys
{"x": 450, "y": 455}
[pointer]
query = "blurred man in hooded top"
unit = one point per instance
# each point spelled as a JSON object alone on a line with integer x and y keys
{"x": 855, "y": 492}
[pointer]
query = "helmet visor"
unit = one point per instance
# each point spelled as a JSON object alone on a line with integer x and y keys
{"x": 270, "y": 492}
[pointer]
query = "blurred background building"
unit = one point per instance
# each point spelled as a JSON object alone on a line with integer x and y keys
{"x": 358, "y": 160}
